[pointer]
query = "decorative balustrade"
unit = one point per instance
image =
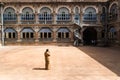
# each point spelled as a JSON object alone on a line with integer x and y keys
{"x": 10, "y": 17}
{"x": 63, "y": 17}
{"x": 47, "y": 17}
{"x": 27, "y": 17}
{"x": 90, "y": 17}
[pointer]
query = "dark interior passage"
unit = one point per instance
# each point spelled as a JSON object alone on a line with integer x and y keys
{"x": 89, "y": 35}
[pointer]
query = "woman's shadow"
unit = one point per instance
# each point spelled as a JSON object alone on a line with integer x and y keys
{"x": 38, "y": 69}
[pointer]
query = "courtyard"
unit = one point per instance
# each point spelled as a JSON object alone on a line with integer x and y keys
{"x": 67, "y": 63}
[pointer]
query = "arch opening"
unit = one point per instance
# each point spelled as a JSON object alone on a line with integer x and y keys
{"x": 90, "y": 36}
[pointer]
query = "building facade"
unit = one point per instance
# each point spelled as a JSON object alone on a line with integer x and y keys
{"x": 59, "y": 21}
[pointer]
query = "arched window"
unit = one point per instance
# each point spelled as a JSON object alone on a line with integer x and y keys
{"x": 113, "y": 12}
{"x": 9, "y": 14}
{"x": 45, "y": 33}
{"x": 27, "y": 14}
{"x": 103, "y": 15}
{"x": 45, "y": 14}
{"x": 63, "y": 14}
{"x": 27, "y": 10}
{"x": 45, "y": 10}
{"x": 27, "y": 33}
{"x": 112, "y": 33}
{"x": 10, "y": 33}
{"x": 77, "y": 16}
{"x": 63, "y": 33}
{"x": 90, "y": 14}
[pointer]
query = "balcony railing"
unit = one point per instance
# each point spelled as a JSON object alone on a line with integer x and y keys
{"x": 10, "y": 17}
{"x": 28, "y": 17}
{"x": 63, "y": 17}
{"x": 45, "y": 17}
{"x": 90, "y": 17}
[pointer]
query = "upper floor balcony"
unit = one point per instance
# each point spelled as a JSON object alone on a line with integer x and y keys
{"x": 27, "y": 18}
{"x": 49, "y": 18}
{"x": 90, "y": 18}
{"x": 63, "y": 18}
{"x": 45, "y": 18}
{"x": 10, "y": 18}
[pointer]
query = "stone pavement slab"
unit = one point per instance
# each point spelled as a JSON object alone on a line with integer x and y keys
{"x": 67, "y": 63}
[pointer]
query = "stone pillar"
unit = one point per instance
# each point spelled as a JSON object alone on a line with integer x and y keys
{"x": 82, "y": 30}
{"x": 72, "y": 17}
{"x": 72, "y": 35}
{"x": 36, "y": 18}
{"x": 98, "y": 18}
{"x": 81, "y": 19}
{"x": 81, "y": 16}
{"x": 54, "y": 17}
{"x": 19, "y": 36}
{"x": 54, "y": 35}
{"x": 36, "y": 35}
{"x": 99, "y": 34}
{"x": 19, "y": 18}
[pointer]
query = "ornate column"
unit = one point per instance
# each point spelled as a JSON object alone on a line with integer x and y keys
{"x": 54, "y": 15}
{"x": 72, "y": 16}
{"x": 81, "y": 16}
{"x": 99, "y": 14}
{"x": 18, "y": 35}
{"x": 72, "y": 35}
{"x": 18, "y": 18}
{"x": 98, "y": 17}
{"x": 54, "y": 34}
{"x": 36, "y": 34}
{"x": 99, "y": 34}
{"x": 2, "y": 24}
{"x": 36, "y": 18}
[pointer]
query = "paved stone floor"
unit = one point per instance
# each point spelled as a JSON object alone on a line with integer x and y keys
{"x": 67, "y": 63}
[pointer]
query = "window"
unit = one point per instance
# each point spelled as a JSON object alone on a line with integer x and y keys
{"x": 13, "y": 35}
{"x": 41, "y": 35}
{"x": 23, "y": 35}
{"x": 9, "y": 34}
{"x": 49, "y": 35}
{"x": 59, "y": 35}
{"x": 63, "y": 13}
{"x": 27, "y": 35}
{"x": 32, "y": 35}
{"x": 45, "y": 35}
{"x": 63, "y": 33}
{"x": 90, "y": 15}
{"x": 9, "y": 15}
{"x": 67, "y": 35}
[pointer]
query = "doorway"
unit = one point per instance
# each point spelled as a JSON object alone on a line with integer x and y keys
{"x": 89, "y": 35}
